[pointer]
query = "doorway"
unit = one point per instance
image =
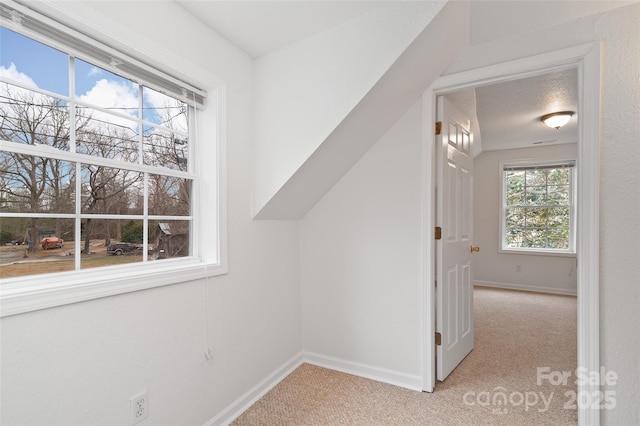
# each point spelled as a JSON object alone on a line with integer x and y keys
{"x": 586, "y": 59}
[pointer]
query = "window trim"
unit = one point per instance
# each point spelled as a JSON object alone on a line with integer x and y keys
{"x": 35, "y": 292}
{"x": 571, "y": 251}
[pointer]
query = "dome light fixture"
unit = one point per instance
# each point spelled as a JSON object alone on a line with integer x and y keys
{"x": 557, "y": 119}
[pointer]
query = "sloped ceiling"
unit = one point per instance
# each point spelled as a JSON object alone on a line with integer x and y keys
{"x": 400, "y": 87}
{"x": 399, "y": 84}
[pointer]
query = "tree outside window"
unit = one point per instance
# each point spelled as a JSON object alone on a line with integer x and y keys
{"x": 538, "y": 208}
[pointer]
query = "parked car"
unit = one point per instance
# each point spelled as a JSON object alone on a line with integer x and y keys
{"x": 119, "y": 249}
{"x": 52, "y": 242}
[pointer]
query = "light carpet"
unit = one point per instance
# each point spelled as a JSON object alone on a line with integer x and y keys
{"x": 515, "y": 334}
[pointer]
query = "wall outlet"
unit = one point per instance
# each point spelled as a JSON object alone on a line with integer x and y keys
{"x": 518, "y": 268}
{"x": 139, "y": 406}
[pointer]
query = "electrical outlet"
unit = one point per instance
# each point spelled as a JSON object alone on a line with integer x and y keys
{"x": 139, "y": 407}
{"x": 518, "y": 269}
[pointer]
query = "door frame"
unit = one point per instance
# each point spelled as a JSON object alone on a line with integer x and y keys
{"x": 586, "y": 59}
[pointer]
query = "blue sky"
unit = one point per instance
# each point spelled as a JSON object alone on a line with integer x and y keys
{"x": 48, "y": 67}
{"x": 31, "y": 62}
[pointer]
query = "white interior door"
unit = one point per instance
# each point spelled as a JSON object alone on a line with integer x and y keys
{"x": 454, "y": 278}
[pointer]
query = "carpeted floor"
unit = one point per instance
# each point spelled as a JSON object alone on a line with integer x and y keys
{"x": 515, "y": 333}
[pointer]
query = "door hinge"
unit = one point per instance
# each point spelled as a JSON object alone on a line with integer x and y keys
{"x": 438, "y": 339}
{"x": 438, "y": 235}
{"x": 438, "y": 127}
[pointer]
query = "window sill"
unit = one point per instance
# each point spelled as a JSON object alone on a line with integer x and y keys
{"x": 33, "y": 293}
{"x": 538, "y": 252}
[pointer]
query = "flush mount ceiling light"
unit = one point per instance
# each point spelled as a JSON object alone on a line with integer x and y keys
{"x": 557, "y": 119}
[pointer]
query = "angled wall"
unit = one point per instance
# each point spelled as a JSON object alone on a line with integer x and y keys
{"x": 306, "y": 90}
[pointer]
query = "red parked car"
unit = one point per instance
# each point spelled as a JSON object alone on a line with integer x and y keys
{"x": 52, "y": 242}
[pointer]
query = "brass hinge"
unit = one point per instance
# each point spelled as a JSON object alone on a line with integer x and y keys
{"x": 438, "y": 127}
{"x": 438, "y": 233}
{"x": 438, "y": 339}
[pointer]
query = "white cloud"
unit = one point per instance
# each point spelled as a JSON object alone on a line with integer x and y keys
{"x": 111, "y": 94}
{"x": 15, "y": 75}
{"x": 94, "y": 71}
{"x": 121, "y": 97}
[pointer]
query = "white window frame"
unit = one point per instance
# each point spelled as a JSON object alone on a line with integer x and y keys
{"x": 34, "y": 292}
{"x": 502, "y": 248}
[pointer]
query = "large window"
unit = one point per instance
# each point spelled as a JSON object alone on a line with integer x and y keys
{"x": 538, "y": 213}
{"x": 98, "y": 164}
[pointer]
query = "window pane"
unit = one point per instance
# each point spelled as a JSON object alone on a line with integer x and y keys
{"x": 537, "y": 217}
{"x": 165, "y": 149}
{"x": 22, "y": 59}
{"x": 164, "y": 110}
{"x": 31, "y": 184}
{"x": 515, "y": 217}
{"x": 536, "y": 195}
{"x": 104, "y": 135}
{"x": 559, "y": 176}
{"x": 515, "y": 179}
{"x": 514, "y": 237}
{"x": 111, "y": 242}
{"x": 51, "y": 250}
{"x": 515, "y": 198}
{"x": 107, "y": 190}
{"x": 169, "y": 239}
{"x": 169, "y": 196}
{"x": 558, "y": 238}
{"x": 558, "y": 217}
{"x": 535, "y": 238}
{"x": 536, "y": 177}
{"x": 105, "y": 89}
{"x": 558, "y": 195}
{"x": 30, "y": 117}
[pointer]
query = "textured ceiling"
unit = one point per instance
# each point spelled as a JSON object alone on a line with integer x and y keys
{"x": 509, "y": 113}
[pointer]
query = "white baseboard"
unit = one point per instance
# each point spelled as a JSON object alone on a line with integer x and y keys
{"x": 537, "y": 289}
{"x": 409, "y": 381}
{"x": 240, "y": 405}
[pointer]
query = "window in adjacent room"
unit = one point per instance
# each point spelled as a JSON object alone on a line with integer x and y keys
{"x": 538, "y": 207}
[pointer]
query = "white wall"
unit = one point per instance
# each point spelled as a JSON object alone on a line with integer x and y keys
{"x": 537, "y": 273}
{"x": 80, "y": 363}
{"x": 303, "y": 91}
{"x": 360, "y": 261}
